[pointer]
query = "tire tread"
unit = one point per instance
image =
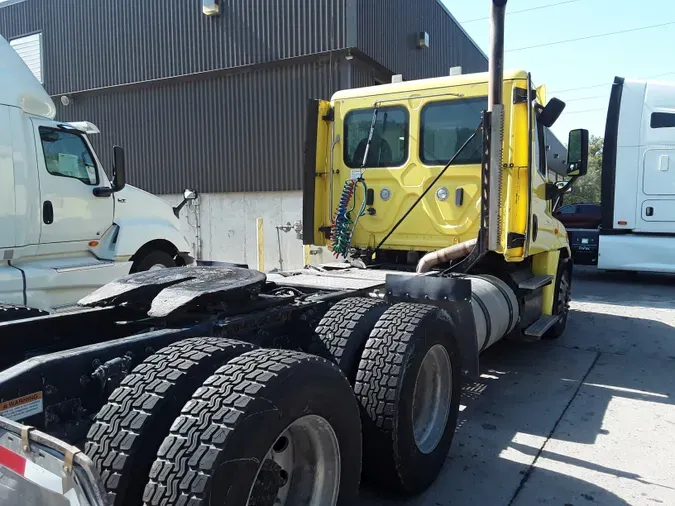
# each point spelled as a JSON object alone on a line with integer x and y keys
{"x": 117, "y": 441}
{"x": 348, "y": 321}
{"x": 186, "y": 460}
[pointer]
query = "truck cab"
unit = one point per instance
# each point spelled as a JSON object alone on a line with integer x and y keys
{"x": 418, "y": 127}
{"x": 423, "y": 176}
{"x": 638, "y": 178}
{"x": 65, "y": 228}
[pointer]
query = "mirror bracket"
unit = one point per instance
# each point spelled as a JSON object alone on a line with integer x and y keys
{"x": 188, "y": 195}
{"x": 551, "y": 112}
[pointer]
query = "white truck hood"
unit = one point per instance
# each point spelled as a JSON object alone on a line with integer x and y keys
{"x": 132, "y": 203}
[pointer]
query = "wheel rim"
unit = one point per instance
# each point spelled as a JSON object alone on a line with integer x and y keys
{"x": 432, "y": 398}
{"x": 301, "y": 467}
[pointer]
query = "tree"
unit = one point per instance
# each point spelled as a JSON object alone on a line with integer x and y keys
{"x": 587, "y": 188}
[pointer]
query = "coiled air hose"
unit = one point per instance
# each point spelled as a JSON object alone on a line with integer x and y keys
{"x": 343, "y": 227}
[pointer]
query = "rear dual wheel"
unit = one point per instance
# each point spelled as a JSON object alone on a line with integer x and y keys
{"x": 128, "y": 430}
{"x": 404, "y": 365}
{"x": 408, "y": 385}
{"x": 269, "y": 428}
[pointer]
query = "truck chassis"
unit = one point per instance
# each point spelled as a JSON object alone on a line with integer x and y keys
{"x": 151, "y": 375}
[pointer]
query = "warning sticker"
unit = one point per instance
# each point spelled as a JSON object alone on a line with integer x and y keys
{"x": 22, "y": 407}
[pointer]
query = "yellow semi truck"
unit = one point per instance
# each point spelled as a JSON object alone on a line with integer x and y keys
{"x": 218, "y": 384}
{"x": 397, "y": 183}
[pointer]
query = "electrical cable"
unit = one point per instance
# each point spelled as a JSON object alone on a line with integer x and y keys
{"x": 596, "y": 36}
{"x": 524, "y": 10}
{"x": 586, "y": 98}
{"x": 603, "y": 84}
{"x": 586, "y": 110}
{"x": 343, "y": 227}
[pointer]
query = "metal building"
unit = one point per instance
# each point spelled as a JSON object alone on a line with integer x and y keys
{"x": 212, "y": 94}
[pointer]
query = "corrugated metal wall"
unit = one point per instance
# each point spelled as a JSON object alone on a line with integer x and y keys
{"x": 242, "y": 132}
{"x": 92, "y": 44}
{"x": 362, "y": 76}
{"x": 387, "y": 32}
{"x": 29, "y": 48}
{"x": 223, "y": 133}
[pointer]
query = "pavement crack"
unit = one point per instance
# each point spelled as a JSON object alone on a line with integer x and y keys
{"x": 529, "y": 471}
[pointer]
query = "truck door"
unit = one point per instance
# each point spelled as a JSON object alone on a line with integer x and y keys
{"x": 657, "y": 209}
{"x": 316, "y": 206}
{"x": 68, "y": 172}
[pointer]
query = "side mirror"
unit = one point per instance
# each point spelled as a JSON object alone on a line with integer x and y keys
{"x": 550, "y": 114}
{"x": 188, "y": 195}
{"x": 119, "y": 172}
{"x": 577, "y": 153}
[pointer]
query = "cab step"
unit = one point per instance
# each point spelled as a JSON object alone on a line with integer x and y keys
{"x": 539, "y": 328}
{"x": 536, "y": 282}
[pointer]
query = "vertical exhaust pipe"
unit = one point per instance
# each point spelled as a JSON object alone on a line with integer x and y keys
{"x": 496, "y": 124}
{"x": 492, "y": 163}
{"x": 496, "y": 63}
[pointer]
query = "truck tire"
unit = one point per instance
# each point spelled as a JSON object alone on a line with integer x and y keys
{"x": 342, "y": 333}
{"x": 11, "y": 312}
{"x": 128, "y": 430}
{"x": 563, "y": 295}
{"x": 409, "y": 388}
{"x": 256, "y": 419}
{"x": 153, "y": 260}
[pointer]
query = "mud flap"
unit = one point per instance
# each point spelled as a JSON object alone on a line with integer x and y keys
{"x": 453, "y": 294}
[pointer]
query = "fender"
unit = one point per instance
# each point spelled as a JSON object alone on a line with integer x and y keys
{"x": 452, "y": 294}
{"x": 132, "y": 234}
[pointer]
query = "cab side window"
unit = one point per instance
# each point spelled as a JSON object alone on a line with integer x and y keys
{"x": 67, "y": 155}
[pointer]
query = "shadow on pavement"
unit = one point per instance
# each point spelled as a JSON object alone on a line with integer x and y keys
{"x": 508, "y": 415}
{"x": 647, "y": 333}
{"x": 563, "y": 403}
{"x": 644, "y": 290}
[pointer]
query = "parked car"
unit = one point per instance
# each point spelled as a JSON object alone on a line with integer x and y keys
{"x": 580, "y": 215}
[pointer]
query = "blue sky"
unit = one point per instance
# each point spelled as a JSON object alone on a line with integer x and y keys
{"x": 584, "y": 63}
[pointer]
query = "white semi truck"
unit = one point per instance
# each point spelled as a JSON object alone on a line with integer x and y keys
{"x": 638, "y": 182}
{"x": 65, "y": 229}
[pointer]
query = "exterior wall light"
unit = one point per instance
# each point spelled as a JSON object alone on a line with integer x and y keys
{"x": 211, "y": 7}
{"x": 423, "y": 40}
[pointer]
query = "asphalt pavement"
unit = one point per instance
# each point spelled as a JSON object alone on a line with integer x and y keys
{"x": 586, "y": 420}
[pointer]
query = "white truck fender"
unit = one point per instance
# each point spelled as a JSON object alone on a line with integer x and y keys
{"x": 137, "y": 237}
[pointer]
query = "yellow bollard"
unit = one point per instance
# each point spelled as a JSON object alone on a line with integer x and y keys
{"x": 306, "y": 252}
{"x": 260, "y": 239}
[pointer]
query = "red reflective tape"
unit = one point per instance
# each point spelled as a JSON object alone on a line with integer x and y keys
{"x": 12, "y": 461}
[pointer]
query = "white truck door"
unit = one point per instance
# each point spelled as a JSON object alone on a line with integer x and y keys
{"x": 657, "y": 148}
{"x": 69, "y": 173}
